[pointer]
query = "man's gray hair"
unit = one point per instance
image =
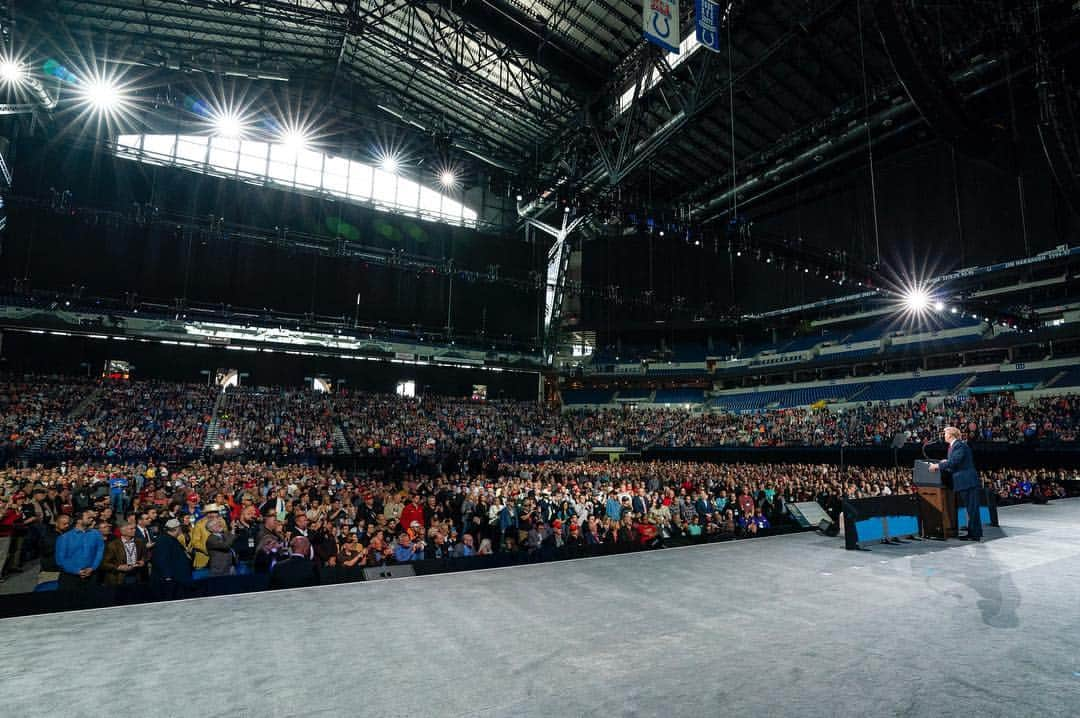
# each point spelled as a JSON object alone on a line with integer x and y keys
{"x": 952, "y": 430}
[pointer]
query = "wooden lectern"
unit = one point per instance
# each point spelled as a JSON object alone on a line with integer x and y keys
{"x": 937, "y": 503}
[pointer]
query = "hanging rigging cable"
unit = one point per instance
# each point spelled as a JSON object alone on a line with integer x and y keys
{"x": 731, "y": 122}
{"x": 869, "y": 137}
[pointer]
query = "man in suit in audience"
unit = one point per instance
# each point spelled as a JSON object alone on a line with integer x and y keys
{"x": 49, "y": 571}
{"x": 965, "y": 480}
{"x": 171, "y": 563}
{"x": 296, "y": 569}
{"x": 124, "y": 561}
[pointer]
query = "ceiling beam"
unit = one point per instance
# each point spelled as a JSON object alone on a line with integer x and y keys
{"x": 530, "y": 37}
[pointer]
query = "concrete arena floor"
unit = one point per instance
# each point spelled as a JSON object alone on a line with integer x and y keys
{"x": 791, "y": 625}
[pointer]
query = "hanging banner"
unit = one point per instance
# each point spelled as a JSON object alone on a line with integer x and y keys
{"x": 661, "y": 23}
{"x": 707, "y": 13}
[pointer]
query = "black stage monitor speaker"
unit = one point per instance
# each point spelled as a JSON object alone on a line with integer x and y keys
{"x": 374, "y": 573}
{"x": 828, "y": 527}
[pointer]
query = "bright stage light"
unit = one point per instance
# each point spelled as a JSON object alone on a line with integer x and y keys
{"x": 12, "y": 72}
{"x": 916, "y": 300}
{"x": 388, "y": 161}
{"x": 103, "y": 95}
{"x": 939, "y": 305}
{"x": 295, "y": 139}
{"x": 228, "y": 124}
{"x": 448, "y": 179}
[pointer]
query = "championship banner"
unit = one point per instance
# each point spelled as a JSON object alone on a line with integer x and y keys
{"x": 707, "y": 14}
{"x": 661, "y": 23}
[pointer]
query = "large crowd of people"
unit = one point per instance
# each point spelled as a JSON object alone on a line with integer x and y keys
{"x": 136, "y": 420}
{"x": 278, "y": 423}
{"x": 230, "y": 517}
{"x": 30, "y": 406}
{"x": 124, "y": 495}
{"x": 985, "y": 418}
{"x": 131, "y": 421}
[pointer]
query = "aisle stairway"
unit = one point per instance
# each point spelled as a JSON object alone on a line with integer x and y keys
{"x": 35, "y": 449}
{"x": 214, "y": 427}
{"x": 341, "y": 444}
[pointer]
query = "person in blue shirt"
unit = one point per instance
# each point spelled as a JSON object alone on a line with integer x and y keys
{"x": 465, "y": 548}
{"x": 613, "y": 508}
{"x": 118, "y": 493}
{"x": 78, "y": 554}
{"x": 407, "y": 550}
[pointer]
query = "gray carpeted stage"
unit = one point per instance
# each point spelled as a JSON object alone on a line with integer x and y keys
{"x": 792, "y": 625}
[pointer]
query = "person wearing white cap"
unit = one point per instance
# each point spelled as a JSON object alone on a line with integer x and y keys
{"x": 199, "y": 534}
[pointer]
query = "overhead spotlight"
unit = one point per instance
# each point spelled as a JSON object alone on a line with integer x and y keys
{"x": 916, "y": 300}
{"x": 389, "y": 163}
{"x": 103, "y": 95}
{"x": 953, "y": 310}
{"x": 228, "y": 124}
{"x": 519, "y": 198}
{"x": 738, "y": 254}
{"x": 661, "y": 233}
{"x": 806, "y": 270}
{"x": 12, "y": 71}
{"x": 295, "y": 138}
{"x": 939, "y": 305}
{"x": 697, "y": 242}
{"x": 448, "y": 178}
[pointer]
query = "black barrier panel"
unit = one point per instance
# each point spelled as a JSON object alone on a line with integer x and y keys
{"x": 879, "y": 517}
{"x": 25, "y": 604}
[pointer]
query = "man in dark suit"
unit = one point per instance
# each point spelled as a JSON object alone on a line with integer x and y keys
{"x": 965, "y": 480}
{"x": 296, "y": 569}
{"x": 171, "y": 563}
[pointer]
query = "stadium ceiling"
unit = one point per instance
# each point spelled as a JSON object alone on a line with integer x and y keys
{"x": 563, "y": 98}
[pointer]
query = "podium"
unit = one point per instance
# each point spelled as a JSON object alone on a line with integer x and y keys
{"x": 937, "y": 503}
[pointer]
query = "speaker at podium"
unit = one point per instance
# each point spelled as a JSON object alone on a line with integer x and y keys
{"x": 921, "y": 475}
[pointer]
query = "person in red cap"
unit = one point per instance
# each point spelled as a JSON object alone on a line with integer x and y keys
{"x": 575, "y": 542}
{"x": 192, "y": 507}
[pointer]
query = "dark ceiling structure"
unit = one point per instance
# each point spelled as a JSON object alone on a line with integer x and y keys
{"x": 563, "y": 102}
{"x": 533, "y": 87}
